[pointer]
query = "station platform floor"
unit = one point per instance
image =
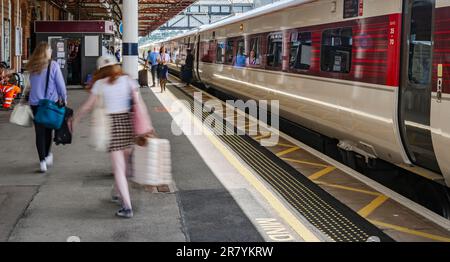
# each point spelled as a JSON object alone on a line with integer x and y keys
{"x": 208, "y": 200}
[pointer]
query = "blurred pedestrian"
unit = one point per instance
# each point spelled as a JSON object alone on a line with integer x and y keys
{"x": 152, "y": 60}
{"x": 116, "y": 90}
{"x": 45, "y": 75}
{"x": 163, "y": 59}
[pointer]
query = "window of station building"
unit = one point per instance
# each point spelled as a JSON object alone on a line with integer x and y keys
{"x": 204, "y": 9}
{"x": 254, "y": 56}
{"x": 420, "y": 55}
{"x": 194, "y": 9}
{"x": 336, "y": 54}
{"x": 275, "y": 49}
{"x": 225, "y": 9}
{"x": 300, "y": 51}
{"x": 220, "y": 52}
{"x": 240, "y": 54}
{"x": 229, "y": 52}
{"x": 215, "y": 9}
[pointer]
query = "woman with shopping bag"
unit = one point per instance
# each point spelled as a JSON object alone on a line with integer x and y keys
{"x": 48, "y": 92}
{"x": 112, "y": 96}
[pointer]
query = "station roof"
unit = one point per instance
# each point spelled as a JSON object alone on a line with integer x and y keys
{"x": 152, "y": 13}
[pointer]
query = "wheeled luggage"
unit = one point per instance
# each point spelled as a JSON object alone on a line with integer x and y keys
{"x": 152, "y": 164}
{"x": 143, "y": 77}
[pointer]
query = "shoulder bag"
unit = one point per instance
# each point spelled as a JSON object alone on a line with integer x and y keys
{"x": 50, "y": 113}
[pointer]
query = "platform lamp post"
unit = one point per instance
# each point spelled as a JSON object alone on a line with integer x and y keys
{"x": 130, "y": 38}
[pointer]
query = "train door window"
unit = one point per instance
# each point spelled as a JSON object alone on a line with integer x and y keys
{"x": 229, "y": 57}
{"x": 336, "y": 53}
{"x": 420, "y": 56}
{"x": 300, "y": 51}
{"x": 220, "y": 52}
{"x": 240, "y": 53}
{"x": 254, "y": 57}
{"x": 275, "y": 49}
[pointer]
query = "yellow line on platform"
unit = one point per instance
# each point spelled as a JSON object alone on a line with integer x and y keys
{"x": 348, "y": 188}
{"x": 376, "y": 203}
{"x": 261, "y": 137}
{"x": 304, "y": 162}
{"x": 410, "y": 231}
{"x": 305, "y": 233}
{"x": 287, "y": 151}
{"x": 286, "y": 145}
{"x": 322, "y": 172}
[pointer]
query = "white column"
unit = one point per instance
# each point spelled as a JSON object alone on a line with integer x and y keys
{"x": 130, "y": 38}
{"x": 3, "y": 33}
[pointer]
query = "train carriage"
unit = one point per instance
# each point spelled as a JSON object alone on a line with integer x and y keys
{"x": 373, "y": 74}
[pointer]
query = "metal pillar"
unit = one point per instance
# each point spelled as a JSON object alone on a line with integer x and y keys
{"x": 130, "y": 38}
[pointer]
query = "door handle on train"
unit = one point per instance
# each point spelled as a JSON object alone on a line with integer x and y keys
{"x": 439, "y": 83}
{"x": 439, "y": 90}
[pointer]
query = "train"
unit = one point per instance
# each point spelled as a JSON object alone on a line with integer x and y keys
{"x": 373, "y": 74}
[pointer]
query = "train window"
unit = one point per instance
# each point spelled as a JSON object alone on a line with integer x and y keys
{"x": 420, "y": 56}
{"x": 300, "y": 53}
{"x": 220, "y": 53}
{"x": 240, "y": 53}
{"x": 336, "y": 55}
{"x": 229, "y": 52}
{"x": 254, "y": 57}
{"x": 275, "y": 47}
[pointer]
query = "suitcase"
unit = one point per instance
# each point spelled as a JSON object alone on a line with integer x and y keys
{"x": 152, "y": 164}
{"x": 143, "y": 77}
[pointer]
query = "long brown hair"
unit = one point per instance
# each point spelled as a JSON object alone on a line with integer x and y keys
{"x": 112, "y": 72}
{"x": 38, "y": 60}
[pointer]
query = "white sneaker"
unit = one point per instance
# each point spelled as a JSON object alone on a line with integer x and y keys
{"x": 49, "y": 160}
{"x": 43, "y": 166}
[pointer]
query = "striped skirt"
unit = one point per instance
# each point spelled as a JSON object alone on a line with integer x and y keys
{"x": 122, "y": 136}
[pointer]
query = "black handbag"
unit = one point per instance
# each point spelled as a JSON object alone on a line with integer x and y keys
{"x": 63, "y": 135}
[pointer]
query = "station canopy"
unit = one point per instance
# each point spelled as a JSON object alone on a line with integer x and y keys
{"x": 152, "y": 13}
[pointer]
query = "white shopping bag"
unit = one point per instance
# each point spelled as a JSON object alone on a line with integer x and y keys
{"x": 152, "y": 164}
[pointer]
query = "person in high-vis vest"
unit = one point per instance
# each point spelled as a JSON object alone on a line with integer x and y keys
{"x": 8, "y": 90}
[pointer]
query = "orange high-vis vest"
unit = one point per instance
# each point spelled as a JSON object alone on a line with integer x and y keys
{"x": 9, "y": 92}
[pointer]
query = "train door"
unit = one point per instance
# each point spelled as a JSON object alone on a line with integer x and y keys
{"x": 416, "y": 82}
{"x": 197, "y": 57}
{"x": 440, "y": 99}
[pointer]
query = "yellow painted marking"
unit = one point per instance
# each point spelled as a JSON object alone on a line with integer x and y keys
{"x": 286, "y": 145}
{"x": 305, "y": 233}
{"x": 410, "y": 231}
{"x": 322, "y": 172}
{"x": 303, "y": 162}
{"x": 287, "y": 151}
{"x": 262, "y": 136}
{"x": 376, "y": 203}
{"x": 349, "y": 188}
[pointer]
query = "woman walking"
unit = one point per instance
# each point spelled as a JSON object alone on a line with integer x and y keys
{"x": 44, "y": 74}
{"x": 116, "y": 89}
{"x": 163, "y": 59}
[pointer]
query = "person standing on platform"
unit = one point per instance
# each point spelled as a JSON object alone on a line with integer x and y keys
{"x": 39, "y": 64}
{"x": 188, "y": 67}
{"x": 152, "y": 59}
{"x": 116, "y": 90}
{"x": 163, "y": 59}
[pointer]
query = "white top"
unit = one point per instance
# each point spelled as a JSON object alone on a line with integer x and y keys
{"x": 117, "y": 96}
{"x": 165, "y": 58}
